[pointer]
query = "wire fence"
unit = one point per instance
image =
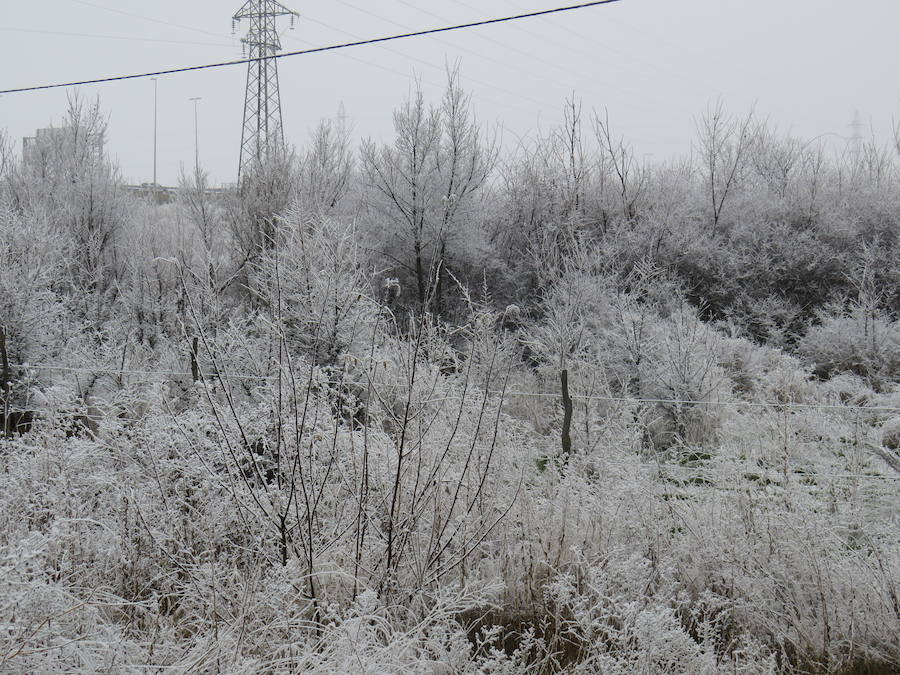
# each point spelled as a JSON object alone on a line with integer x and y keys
{"x": 150, "y": 375}
{"x": 781, "y": 406}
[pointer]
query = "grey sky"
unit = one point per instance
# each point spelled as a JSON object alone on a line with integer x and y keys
{"x": 654, "y": 64}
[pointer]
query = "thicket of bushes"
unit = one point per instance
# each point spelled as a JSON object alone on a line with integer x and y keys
{"x": 317, "y": 425}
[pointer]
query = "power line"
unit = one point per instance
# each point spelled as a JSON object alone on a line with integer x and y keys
{"x": 538, "y": 57}
{"x": 589, "y": 57}
{"x": 358, "y": 43}
{"x": 128, "y": 38}
{"x": 405, "y": 76}
{"x": 660, "y": 38}
{"x": 145, "y": 18}
{"x": 381, "y": 66}
{"x": 606, "y": 47}
{"x": 433, "y": 66}
{"x": 479, "y": 55}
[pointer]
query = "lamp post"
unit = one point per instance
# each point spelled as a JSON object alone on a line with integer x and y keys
{"x": 154, "y": 129}
{"x": 196, "y": 136}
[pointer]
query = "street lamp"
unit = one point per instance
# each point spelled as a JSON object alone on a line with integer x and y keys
{"x": 154, "y": 129}
{"x": 196, "y": 136}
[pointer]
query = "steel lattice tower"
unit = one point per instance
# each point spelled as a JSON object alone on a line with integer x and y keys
{"x": 262, "y": 133}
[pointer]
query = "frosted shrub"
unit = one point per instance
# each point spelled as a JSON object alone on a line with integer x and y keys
{"x": 341, "y": 478}
{"x": 858, "y": 341}
{"x": 630, "y": 617}
{"x": 645, "y": 343}
{"x": 71, "y": 180}
{"x": 688, "y": 373}
{"x": 315, "y": 284}
{"x": 31, "y": 309}
{"x": 890, "y": 434}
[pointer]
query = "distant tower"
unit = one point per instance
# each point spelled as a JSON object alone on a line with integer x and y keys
{"x": 856, "y": 137}
{"x": 341, "y": 119}
{"x": 262, "y": 134}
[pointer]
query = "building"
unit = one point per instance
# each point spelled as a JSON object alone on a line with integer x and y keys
{"x": 56, "y": 141}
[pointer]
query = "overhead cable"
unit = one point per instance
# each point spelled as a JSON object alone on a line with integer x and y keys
{"x": 314, "y": 50}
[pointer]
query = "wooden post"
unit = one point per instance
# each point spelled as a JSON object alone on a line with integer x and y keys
{"x": 195, "y": 368}
{"x": 4, "y": 382}
{"x": 567, "y": 415}
{"x": 122, "y": 364}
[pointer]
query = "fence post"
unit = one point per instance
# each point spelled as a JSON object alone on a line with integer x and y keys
{"x": 4, "y": 382}
{"x": 567, "y": 415}
{"x": 195, "y": 368}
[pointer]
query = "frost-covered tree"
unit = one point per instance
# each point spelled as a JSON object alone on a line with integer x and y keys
{"x": 426, "y": 185}
{"x": 326, "y": 167}
{"x": 66, "y": 174}
{"x": 724, "y": 147}
{"x": 630, "y": 175}
{"x": 267, "y": 188}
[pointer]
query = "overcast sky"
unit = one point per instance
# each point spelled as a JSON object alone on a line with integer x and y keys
{"x": 656, "y": 65}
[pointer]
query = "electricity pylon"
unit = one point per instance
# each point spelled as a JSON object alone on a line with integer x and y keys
{"x": 856, "y": 137}
{"x": 262, "y": 134}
